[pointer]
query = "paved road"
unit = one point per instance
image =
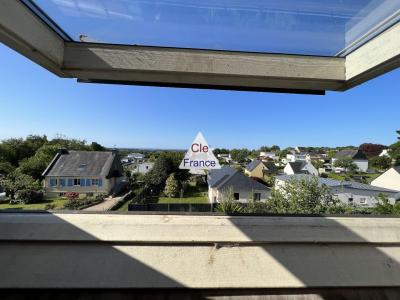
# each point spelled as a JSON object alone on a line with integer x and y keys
{"x": 106, "y": 205}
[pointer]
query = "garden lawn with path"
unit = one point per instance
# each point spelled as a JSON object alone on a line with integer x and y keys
{"x": 57, "y": 202}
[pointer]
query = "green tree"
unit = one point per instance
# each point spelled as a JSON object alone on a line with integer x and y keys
{"x": 17, "y": 181}
{"x": 14, "y": 150}
{"x": 240, "y": 155}
{"x": 34, "y": 166}
{"x": 172, "y": 186}
{"x": 217, "y": 151}
{"x": 317, "y": 164}
{"x": 264, "y": 149}
{"x": 380, "y": 162}
{"x": 34, "y": 142}
{"x": 346, "y": 163}
{"x": 97, "y": 147}
{"x": 165, "y": 164}
{"x": 6, "y": 168}
{"x": 395, "y": 152}
{"x": 275, "y": 148}
{"x": 306, "y": 196}
{"x": 284, "y": 152}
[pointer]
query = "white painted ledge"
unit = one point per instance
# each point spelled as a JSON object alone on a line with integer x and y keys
{"x": 201, "y": 229}
{"x": 167, "y": 251}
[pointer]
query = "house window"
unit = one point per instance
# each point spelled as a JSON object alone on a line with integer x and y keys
{"x": 363, "y": 200}
{"x": 350, "y": 201}
{"x": 95, "y": 182}
{"x": 53, "y": 182}
{"x": 77, "y": 181}
{"x": 62, "y": 182}
{"x": 257, "y": 196}
{"x": 236, "y": 196}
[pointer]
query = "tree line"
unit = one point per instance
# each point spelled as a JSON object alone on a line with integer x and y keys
{"x": 22, "y": 161}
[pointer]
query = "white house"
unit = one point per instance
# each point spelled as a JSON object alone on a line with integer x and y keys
{"x": 221, "y": 181}
{"x": 268, "y": 155}
{"x": 389, "y": 180}
{"x": 357, "y": 156}
{"x": 142, "y": 168}
{"x": 348, "y": 192}
{"x": 300, "y": 167}
{"x": 293, "y": 156}
{"x": 137, "y": 157}
{"x": 225, "y": 156}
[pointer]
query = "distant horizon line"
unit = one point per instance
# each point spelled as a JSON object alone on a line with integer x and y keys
{"x": 184, "y": 149}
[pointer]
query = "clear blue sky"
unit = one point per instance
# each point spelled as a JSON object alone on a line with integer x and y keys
{"x": 34, "y": 101}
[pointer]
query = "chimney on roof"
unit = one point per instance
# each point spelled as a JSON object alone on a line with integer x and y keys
{"x": 62, "y": 151}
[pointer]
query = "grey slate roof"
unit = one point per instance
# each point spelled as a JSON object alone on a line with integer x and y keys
{"x": 241, "y": 182}
{"x": 270, "y": 165}
{"x": 335, "y": 183}
{"x": 253, "y": 164}
{"x": 353, "y": 154}
{"x": 84, "y": 163}
{"x": 216, "y": 176}
{"x": 297, "y": 167}
{"x": 227, "y": 176}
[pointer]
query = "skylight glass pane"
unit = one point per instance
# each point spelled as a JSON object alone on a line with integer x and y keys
{"x": 310, "y": 27}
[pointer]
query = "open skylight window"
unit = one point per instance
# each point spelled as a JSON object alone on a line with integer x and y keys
{"x": 306, "y": 27}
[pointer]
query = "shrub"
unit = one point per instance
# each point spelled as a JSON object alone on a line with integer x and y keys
{"x": 171, "y": 186}
{"x": 228, "y": 204}
{"x": 76, "y": 204}
{"x": 384, "y": 207}
{"x": 257, "y": 207}
{"x": 29, "y": 196}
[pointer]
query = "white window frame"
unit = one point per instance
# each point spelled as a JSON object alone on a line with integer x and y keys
{"x": 92, "y": 62}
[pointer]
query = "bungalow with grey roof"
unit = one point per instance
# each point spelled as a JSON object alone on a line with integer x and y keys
{"x": 348, "y": 192}
{"x": 86, "y": 172}
{"x": 221, "y": 181}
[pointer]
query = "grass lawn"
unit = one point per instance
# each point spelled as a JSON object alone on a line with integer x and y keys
{"x": 199, "y": 199}
{"x": 58, "y": 203}
{"x": 336, "y": 176}
{"x": 193, "y": 194}
{"x": 369, "y": 177}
